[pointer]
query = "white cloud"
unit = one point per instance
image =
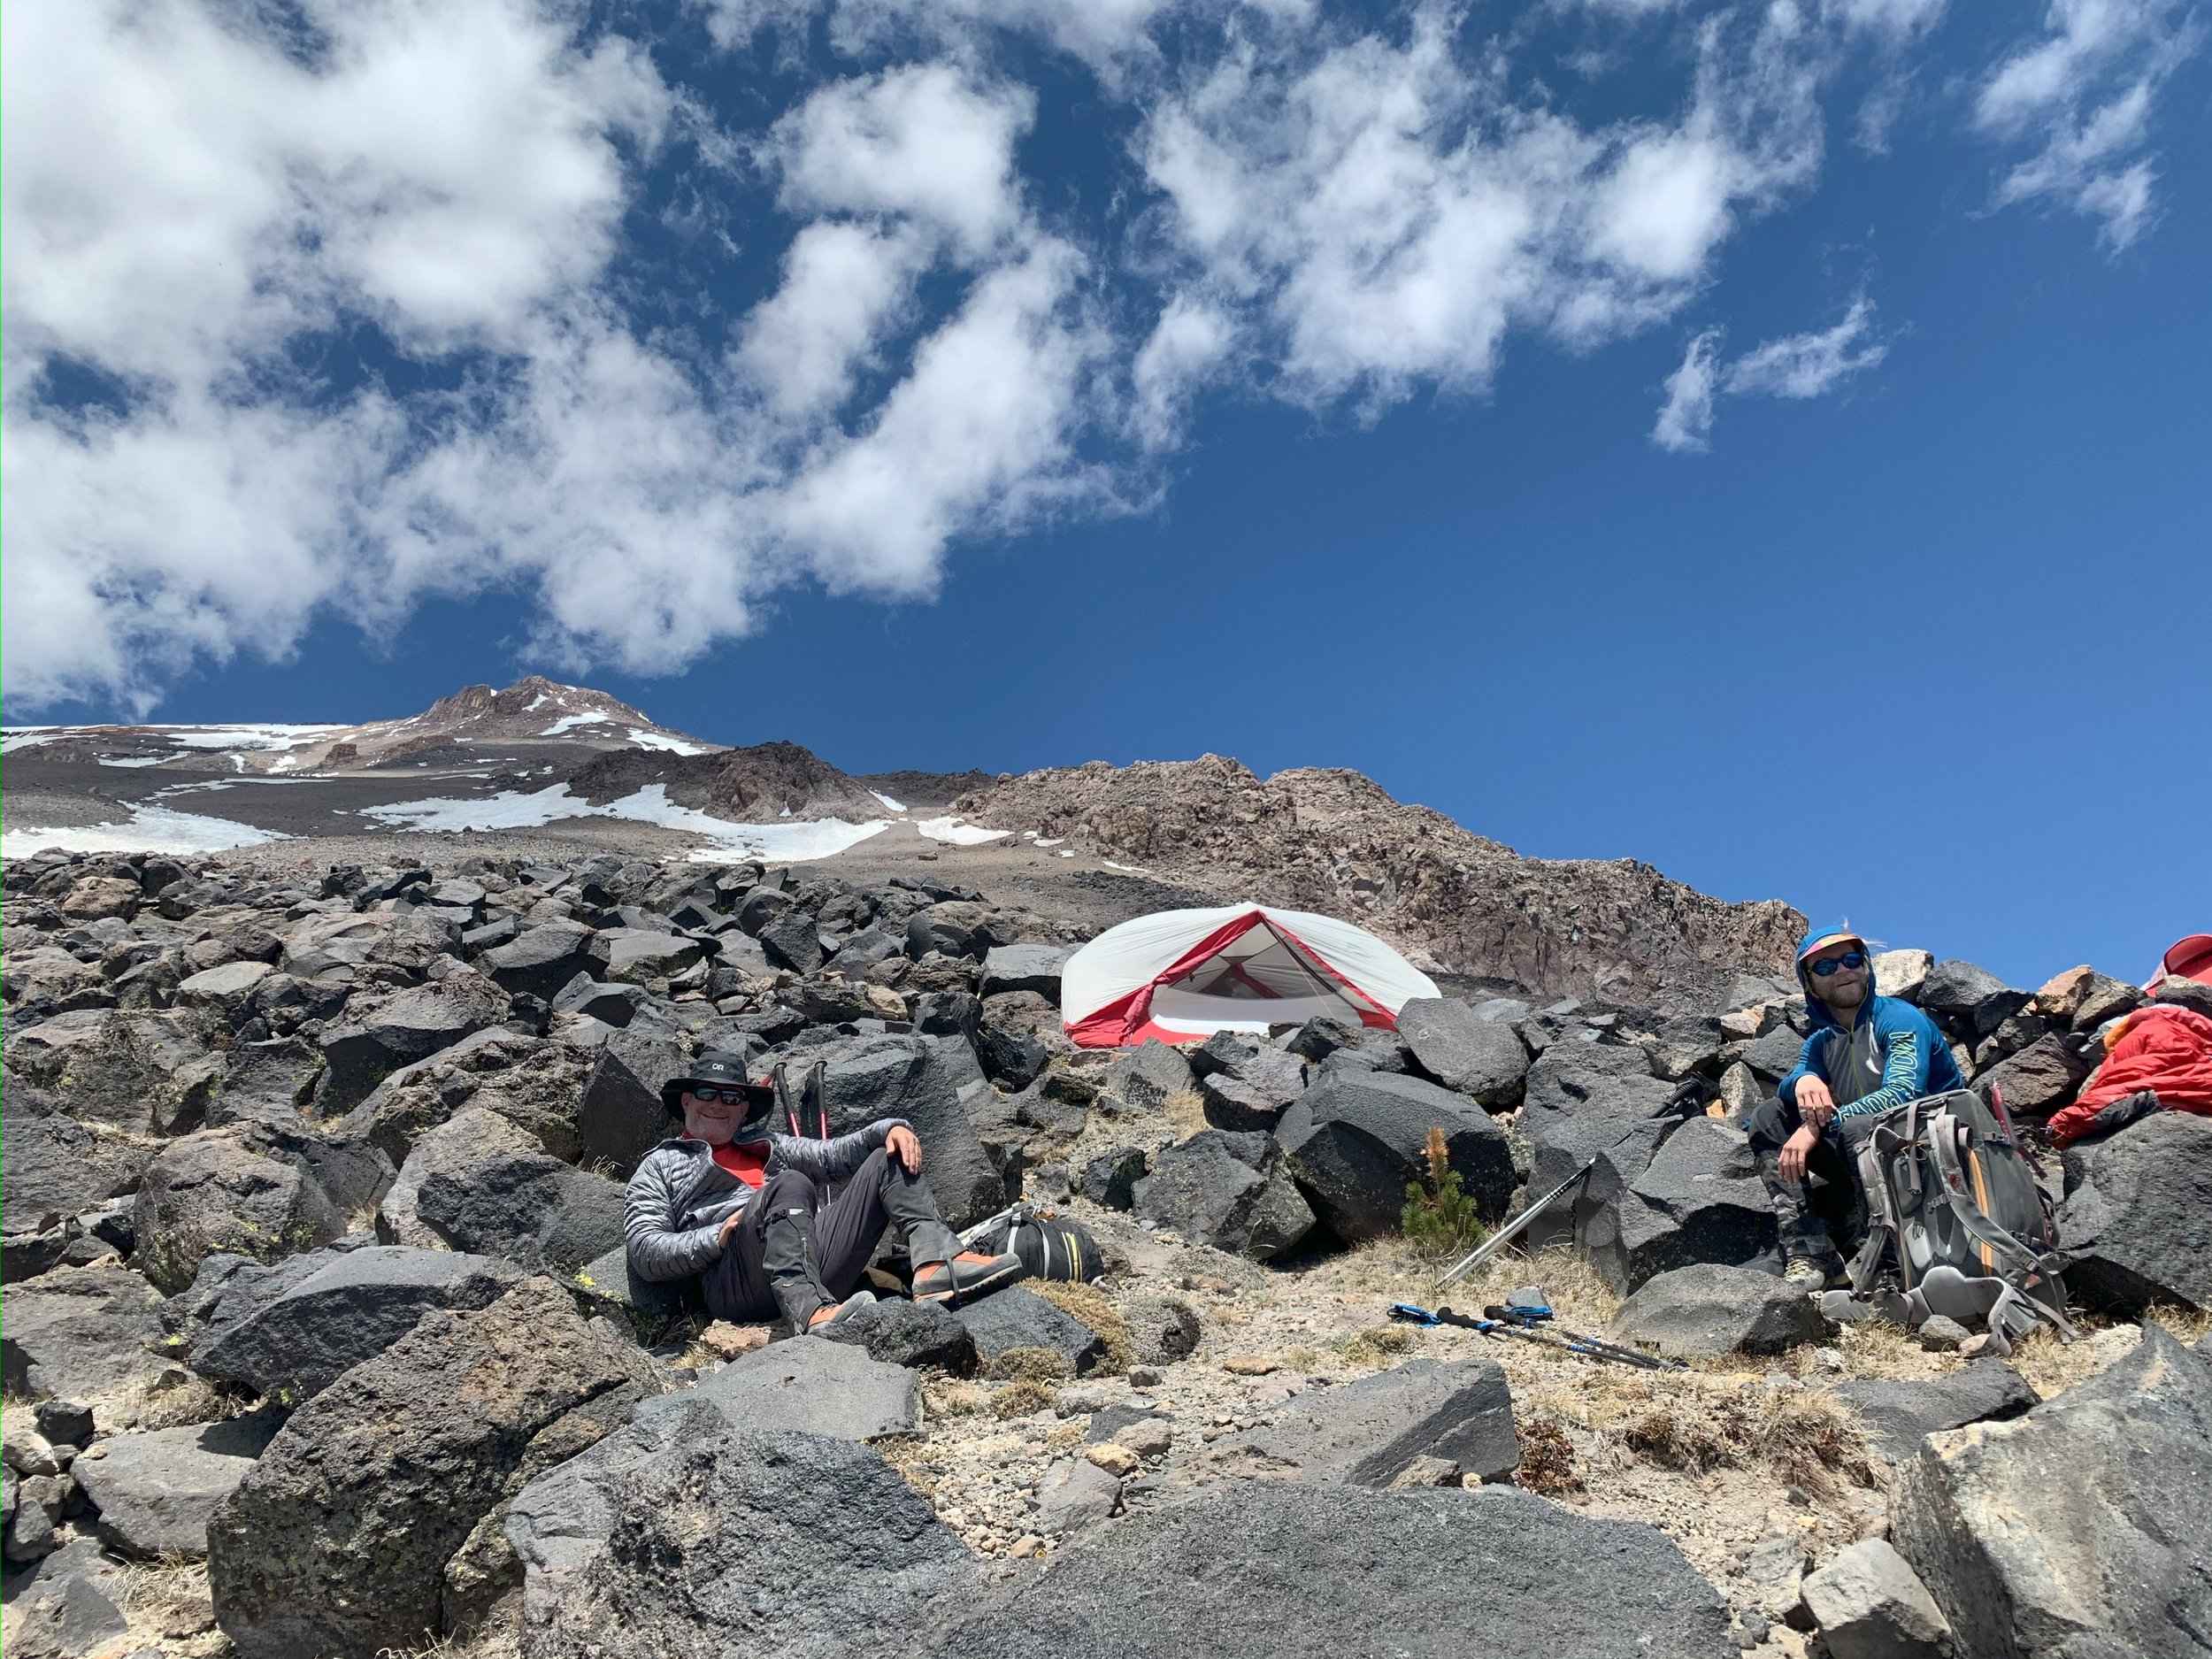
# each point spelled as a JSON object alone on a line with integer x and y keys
{"x": 1686, "y": 417}
{"x": 1389, "y": 213}
{"x": 925, "y": 143}
{"x": 2087, "y": 91}
{"x": 1806, "y": 366}
{"x": 1794, "y": 366}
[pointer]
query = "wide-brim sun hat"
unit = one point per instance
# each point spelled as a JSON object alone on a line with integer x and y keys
{"x": 718, "y": 1069}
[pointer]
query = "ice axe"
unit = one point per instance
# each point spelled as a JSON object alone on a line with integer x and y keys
{"x": 1687, "y": 1091}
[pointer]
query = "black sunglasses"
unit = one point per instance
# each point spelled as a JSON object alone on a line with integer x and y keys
{"x": 1827, "y": 966}
{"x": 711, "y": 1094}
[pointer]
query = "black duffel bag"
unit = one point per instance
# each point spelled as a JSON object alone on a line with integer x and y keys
{"x": 1050, "y": 1245}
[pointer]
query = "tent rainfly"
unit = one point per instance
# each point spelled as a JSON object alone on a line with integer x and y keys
{"x": 1182, "y": 975}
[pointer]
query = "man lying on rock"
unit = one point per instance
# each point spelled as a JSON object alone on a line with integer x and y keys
{"x": 1868, "y": 1054}
{"x": 743, "y": 1210}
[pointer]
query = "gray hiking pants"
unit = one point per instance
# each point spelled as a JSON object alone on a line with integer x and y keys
{"x": 1822, "y": 1217}
{"x": 795, "y": 1252}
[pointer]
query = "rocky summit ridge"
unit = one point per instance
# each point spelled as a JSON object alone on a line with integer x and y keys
{"x": 1332, "y": 840}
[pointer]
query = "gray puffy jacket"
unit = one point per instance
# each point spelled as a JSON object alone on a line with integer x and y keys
{"x": 679, "y": 1196}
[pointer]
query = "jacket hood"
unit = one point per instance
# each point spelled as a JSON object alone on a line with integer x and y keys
{"x": 1808, "y": 948}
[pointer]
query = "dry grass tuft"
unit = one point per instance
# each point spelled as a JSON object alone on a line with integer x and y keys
{"x": 1089, "y": 1306}
{"x": 947, "y": 1397}
{"x": 500, "y": 1639}
{"x": 1807, "y": 1438}
{"x": 1377, "y": 1345}
{"x": 169, "y": 1598}
{"x": 1018, "y": 1400}
{"x": 1029, "y": 1365}
{"x": 1547, "y": 1459}
{"x": 1185, "y": 1113}
{"x": 179, "y": 1404}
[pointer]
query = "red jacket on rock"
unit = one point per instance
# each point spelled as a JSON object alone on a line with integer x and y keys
{"x": 2163, "y": 1048}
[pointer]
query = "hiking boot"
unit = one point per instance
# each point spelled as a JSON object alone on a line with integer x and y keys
{"x": 967, "y": 1276}
{"x": 1804, "y": 1273}
{"x": 825, "y": 1316}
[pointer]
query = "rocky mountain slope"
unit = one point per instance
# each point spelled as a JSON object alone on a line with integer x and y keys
{"x": 319, "y": 1339}
{"x": 1333, "y": 841}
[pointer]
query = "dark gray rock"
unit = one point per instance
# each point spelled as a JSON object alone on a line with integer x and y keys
{"x": 791, "y": 941}
{"x": 218, "y": 1191}
{"x": 639, "y": 955}
{"x": 633, "y": 1551}
{"x": 2136, "y": 1220}
{"x": 1245, "y": 1084}
{"x": 911, "y": 1333}
{"x": 2080, "y": 1528}
{"x": 1011, "y": 1057}
{"x": 269, "y": 1080}
{"x": 78, "y": 1332}
{"x": 1586, "y": 1100}
{"x": 1454, "y": 1046}
{"x": 1309, "y": 1572}
{"x": 539, "y": 961}
{"x": 1369, "y": 1432}
{"x": 2039, "y": 1079}
{"x": 1898, "y": 1415}
{"x": 1708, "y": 1310}
{"x": 812, "y": 1385}
{"x": 52, "y": 1166}
{"x": 1016, "y": 1318}
{"x": 1971, "y": 996}
{"x": 155, "y": 1491}
{"x": 1147, "y": 1075}
{"x": 621, "y": 1118}
{"x": 525, "y": 1207}
{"x": 1234, "y": 1192}
{"x": 1775, "y": 1055}
{"x": 1110, "y": 1179}
{"x": 761, "y": 907}
{"x": 933, "y": 1082}
{"x": 1024, "y": 968}
{"x": 359, "y": 1302}
{"x": 336, "y": 1542}
{"x": 1356, "y": 1142}
{"x": 1700, "y": 1200}
{"x": 410, "y": 1026}
{"x": 470, "y": 1140}
{"x": 603, "y": 1000}
{"x": 63, "y": 1422}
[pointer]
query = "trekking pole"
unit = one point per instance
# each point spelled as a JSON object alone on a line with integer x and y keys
{"x": 1686, "y": 1090}
{"x": 1406, "y": 1313}
{"x": 1526, "y": 1319}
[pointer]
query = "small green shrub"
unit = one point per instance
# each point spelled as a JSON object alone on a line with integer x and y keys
{"x": 1439, "y": 1219}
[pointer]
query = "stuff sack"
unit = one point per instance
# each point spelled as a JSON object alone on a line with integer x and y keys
{"x": 1051, "y": 1246}
{"x": 1952, "y": 1201}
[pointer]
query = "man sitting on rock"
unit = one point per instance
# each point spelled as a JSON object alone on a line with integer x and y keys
{"x": 1868, "y": 1054}
{"x": 743, "y": 1208}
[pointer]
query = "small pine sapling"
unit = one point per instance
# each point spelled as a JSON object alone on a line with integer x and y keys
{"x": 1439, "y": 1219}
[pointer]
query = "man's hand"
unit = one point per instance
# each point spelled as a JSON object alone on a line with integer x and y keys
{"x": 730, "y": 1227}
{"x": 1795, "y": 1150}
{"x": 1815, "y": 1104}
{"x": 904, "y": 1145}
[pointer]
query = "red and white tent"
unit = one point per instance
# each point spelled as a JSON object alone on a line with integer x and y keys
{"x": 1182, "y": 975}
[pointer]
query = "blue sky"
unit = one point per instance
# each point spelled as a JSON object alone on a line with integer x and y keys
{"x": 1765, "y": 442}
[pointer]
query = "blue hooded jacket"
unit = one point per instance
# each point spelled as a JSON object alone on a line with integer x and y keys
{"x": 1912, "y": 1057}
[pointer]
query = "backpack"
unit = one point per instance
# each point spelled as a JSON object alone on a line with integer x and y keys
{"x": 1051, "y": 1246}
{"x": 1953, "y": 1201}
